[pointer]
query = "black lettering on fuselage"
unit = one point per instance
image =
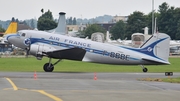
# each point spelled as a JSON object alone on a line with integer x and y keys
{"x": 77, "y": 43}
{"x": 119, "y": 56}
{"x": 112, "y": 54}
{"x": 70, "y": 41}
{"x": 54, "y": 38}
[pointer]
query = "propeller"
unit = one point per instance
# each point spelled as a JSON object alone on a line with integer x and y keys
{"x": 27, "y": 42}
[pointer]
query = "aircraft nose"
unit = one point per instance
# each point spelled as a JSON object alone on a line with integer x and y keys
{"x": 5, "y": 37}
{"x": 11, "y": 38}
{"x": 16, "y": 41}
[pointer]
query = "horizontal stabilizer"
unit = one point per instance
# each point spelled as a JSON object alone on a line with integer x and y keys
{"x": 158, "y": 62}
{"x": 72, "y": 54}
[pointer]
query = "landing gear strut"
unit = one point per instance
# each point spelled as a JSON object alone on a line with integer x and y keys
{"x": 49, "y": 67}
{"x": 144, "y": 69}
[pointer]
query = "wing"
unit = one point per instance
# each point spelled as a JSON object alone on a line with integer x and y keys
{"x": 71, "y": 54}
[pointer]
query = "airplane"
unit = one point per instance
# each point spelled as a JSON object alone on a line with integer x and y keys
{"x": 12, "y": 28}
{"x": 155, "y": 51}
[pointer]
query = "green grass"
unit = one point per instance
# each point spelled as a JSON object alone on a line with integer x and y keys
{"x": 31, "y": 64}
{"x": 168, "y": 79}
{"x": 171, "y": 80}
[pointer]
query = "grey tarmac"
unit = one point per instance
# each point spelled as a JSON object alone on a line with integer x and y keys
{"x": 58, "y": 86}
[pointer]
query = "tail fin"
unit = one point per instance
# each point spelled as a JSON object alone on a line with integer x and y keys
{"x": 12, "y": 28}
{"x": 61, "y": 27}
{"x": 61, "y": 23}
{"x": 157, "y": 46}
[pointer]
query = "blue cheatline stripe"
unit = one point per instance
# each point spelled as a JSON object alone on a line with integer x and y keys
{"x": 91, "y": 50}
{"x": 133, "y": 58}
{"x": 12, "y": 35}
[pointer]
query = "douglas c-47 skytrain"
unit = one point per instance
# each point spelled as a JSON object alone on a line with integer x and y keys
{"x": 56, "y": 44}
{"x": 155, "y": 51}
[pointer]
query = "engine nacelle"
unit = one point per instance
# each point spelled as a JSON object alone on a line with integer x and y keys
{"x": 38, "y": 49}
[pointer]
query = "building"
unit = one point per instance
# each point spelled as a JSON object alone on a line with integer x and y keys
{"x": 1, "y": 34}
{"x": 23, "y": 27}
{"x": 117, "y": 18}
{"x": 72, "y": 27}
{"x": 106, "y": 26}
{"x": 76, "y": 27}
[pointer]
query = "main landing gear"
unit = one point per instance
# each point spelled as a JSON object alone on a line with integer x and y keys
{"x": 49, "y": 67}
{"x": 144, "y": 69}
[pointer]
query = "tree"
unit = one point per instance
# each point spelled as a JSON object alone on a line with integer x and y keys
{"x": 42, "y": 10}
{"x": 74, "y": 21}
{"x": 177, "y": 16}
{"x": 67, "y": 21}
{"x": 46, "y": 24}
{"x": 24, "y": 22}
{"x": 135, "y": 23}
{"x": 2, "y": 29}
{"x": 32, "y": 24}
{"x": 17, "y": 20}
{"x": 167, "y": 21}
{"x": 70, "y": 21}
{"x": 178, "y": 31}
{"x": 118, "y": 30}
{"x": 92, "y": 29}
{"x": 149, "y": 20}
{"x": 46, "y": 21}
{"x": 13, "y": 19}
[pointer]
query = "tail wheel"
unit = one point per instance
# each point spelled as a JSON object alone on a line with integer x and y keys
{"x": 48, "y": 67}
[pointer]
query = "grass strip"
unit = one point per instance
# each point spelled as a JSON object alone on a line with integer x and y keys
{"x": 32, "y": 64}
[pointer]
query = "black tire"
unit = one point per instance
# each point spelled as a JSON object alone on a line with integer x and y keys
{"x": 145, "y": 70}
{"x": 47, "y": 68}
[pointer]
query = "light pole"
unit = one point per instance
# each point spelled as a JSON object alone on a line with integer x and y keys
{"x": 109, "y": 28}
{"x": 152, "y": 16}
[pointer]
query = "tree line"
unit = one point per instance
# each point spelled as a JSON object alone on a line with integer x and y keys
{"x": 167, "y": 21}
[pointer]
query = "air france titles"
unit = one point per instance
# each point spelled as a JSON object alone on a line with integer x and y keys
{"x": 82, "y": 44}
{"x": 54, "y": 38}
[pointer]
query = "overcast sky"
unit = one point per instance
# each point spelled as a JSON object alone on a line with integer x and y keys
{"x": 27, "y": 9}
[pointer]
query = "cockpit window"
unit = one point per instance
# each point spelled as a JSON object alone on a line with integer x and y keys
{"x": 23, "y": 34}
{"x": 19, "y": 33}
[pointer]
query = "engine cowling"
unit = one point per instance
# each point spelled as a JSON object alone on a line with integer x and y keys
{"x": 38, "y": 49}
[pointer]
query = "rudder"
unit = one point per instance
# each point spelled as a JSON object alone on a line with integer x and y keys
{"x": 158, "y": 46}
{"x": 12, "y": 28}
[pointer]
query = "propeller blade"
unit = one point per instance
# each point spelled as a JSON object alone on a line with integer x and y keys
{"x": 27, "y": 42}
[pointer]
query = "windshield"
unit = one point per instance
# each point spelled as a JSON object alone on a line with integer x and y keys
{"x": 21, "y": 34}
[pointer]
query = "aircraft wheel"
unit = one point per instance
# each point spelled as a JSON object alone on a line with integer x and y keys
{"x": 145, "y": 70}
{"x": 47, "y": 68}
